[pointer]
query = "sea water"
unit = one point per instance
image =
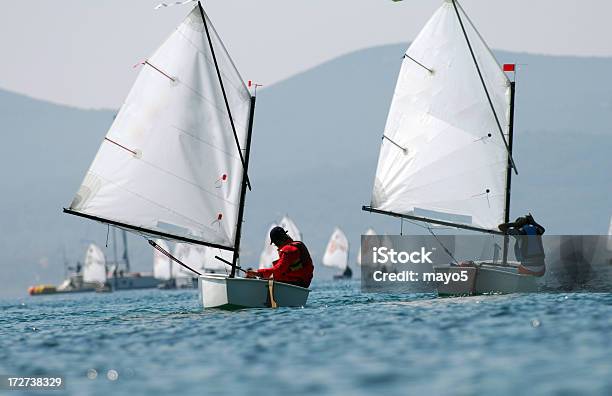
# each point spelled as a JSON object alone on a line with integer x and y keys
{"x": 343, "y": 342}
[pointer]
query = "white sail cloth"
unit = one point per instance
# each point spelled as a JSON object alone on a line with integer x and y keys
{"x": 270, "y": 252}
{"x": 443, "y": 155}
{"x": 337, "y": 251}
{"x": 94, "y": 269}
{"x": 162, "y": 265}
{"x": 369, "y": 232}
{"x": 169, "y": 163}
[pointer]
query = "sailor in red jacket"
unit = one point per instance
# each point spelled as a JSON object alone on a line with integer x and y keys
{"x": 294, "y": 265}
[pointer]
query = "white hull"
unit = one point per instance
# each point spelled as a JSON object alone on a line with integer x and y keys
{"x": 487, "y": 279}
{"x": 219, "y": 291}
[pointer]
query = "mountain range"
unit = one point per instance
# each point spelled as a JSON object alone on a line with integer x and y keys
{"x": 314, "y": 153}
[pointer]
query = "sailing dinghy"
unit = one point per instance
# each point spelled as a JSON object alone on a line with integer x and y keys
{"x": 446, "y": 155}
{"x": 174, "y": 163}
{"x": 337, "y": 254}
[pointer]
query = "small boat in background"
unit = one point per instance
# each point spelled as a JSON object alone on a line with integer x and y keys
{"x": 337, "y": 254}
{"x": 89, "y": 277}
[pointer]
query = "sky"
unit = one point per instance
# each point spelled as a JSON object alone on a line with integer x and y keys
{"x": 81, "y": 53}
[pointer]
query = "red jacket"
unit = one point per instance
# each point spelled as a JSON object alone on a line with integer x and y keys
{"x": 293, "y": 266}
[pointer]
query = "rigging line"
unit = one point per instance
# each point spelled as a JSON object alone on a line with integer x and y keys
{"x": 430, "y": 229}
{"x": 443, "y": 247}
{"x": 484, "y": 86}
{"x": 227, "y": 106}
{"x": 171, "y": 257}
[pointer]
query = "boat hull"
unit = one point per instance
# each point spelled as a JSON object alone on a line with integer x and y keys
{"x": 220, "y": 291}
{"x": 486, "y": 280}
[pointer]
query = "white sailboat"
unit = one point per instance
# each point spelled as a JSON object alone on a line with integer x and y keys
{"x": 446, "y": 156}
{"x": 94, "y": 267}
{"x": 337, "y": 254}
{"x": 174, "y": 163}
{"x": 269, "y": 253}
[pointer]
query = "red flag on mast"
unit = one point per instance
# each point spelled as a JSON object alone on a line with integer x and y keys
{"x": 509, "y": 67}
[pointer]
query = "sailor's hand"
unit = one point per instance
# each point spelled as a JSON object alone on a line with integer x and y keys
{"x": 251, "y": 274}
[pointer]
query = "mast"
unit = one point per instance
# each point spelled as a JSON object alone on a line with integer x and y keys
{"x": 243, "y": 189}
{"x": 126, "y": 258}
{"x": 509, "y": 171}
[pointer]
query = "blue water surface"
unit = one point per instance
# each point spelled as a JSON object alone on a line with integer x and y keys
{"x": 344, "y": 343}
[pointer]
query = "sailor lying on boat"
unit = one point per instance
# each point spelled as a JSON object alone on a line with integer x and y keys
{"x": 294, "y": 265}
{"x": 528, "y": 247}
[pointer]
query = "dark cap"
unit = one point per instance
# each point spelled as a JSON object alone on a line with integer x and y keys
{"x": 278, "y": 234}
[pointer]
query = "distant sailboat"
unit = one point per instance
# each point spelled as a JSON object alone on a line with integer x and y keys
{"x": 174, "y": 163}
{"x": 90, "y": 277}
{"x": 446, "y": 154}
{"x": 337, "y": 254}
{"x": 270, "y": 251}
{"x": 94, "y": 267}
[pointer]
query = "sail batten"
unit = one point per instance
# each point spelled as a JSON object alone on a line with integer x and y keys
{"x": 171, "y": 164}
{"x": 443, "y": 150}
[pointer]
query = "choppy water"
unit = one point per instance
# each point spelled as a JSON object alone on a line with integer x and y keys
{"x": 344, "y": 342}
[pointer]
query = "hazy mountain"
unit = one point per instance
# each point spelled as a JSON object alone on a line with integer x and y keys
{"x": 315, "y": 149}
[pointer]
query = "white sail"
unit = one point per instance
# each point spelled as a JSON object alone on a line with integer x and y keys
{"x": 270, "y": 251}
{"x": 169, "y": 163}
{"x": 292, "y": 229}
{"x": 162, "y": 265}
{"x": 443, "y": 155}
{"x": 94, "y": 269}
{"x": 337, "y": 251}
{"x": 368, "y": 232}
